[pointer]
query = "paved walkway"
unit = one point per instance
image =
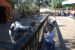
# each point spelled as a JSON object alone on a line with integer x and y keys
{"x": 66, "y": 33}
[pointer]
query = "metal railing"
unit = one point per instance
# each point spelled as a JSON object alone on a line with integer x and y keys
{"x": 33, "y": 40}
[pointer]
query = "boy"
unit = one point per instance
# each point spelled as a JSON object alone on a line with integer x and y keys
{"x": 49, "y": 42}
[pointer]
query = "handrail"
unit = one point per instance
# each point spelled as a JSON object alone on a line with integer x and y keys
{"x": 30, "y": 36}
{"x": 31, "y": 41}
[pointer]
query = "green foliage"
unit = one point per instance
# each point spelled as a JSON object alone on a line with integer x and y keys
{"x": 30, "y": 7}
{"x": 27, "y": 5}
{"x": 56, "y": 3}
{"x": 12, "y": 2}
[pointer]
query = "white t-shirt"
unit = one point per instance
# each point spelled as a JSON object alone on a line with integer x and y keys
{"x": 52, "y": 19}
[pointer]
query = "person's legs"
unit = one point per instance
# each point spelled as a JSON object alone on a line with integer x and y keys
{"x": 53, "y": 46}
{"x": 49, "y": 46}
{"x": 45, "y": 45}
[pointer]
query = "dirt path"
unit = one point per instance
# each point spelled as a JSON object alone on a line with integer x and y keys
{"x": 66, "y": 33}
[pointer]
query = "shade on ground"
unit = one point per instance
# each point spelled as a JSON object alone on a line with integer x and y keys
{"x": 67, "y": 28}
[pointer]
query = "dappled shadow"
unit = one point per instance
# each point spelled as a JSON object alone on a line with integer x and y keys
{"x": 70, "y": 43}
{"x": 61, "y": 40}
{"x": 57, "y": 45}
{"x": 73, "y": 45}
{"x": 67, "y": 43}
{"x": 61, "y": 25}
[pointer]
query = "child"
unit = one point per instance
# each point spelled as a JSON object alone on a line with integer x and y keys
{"x": 52, "y": 19}
{"x": 50, "y": 45}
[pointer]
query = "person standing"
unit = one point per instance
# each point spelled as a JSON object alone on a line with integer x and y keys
{"x": 52, "y": 19}
{"x": 48, "y": 36}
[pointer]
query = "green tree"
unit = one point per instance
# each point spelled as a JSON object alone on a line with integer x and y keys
{"x": 56, "y": 3}
{"x": 27, "y": 6}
